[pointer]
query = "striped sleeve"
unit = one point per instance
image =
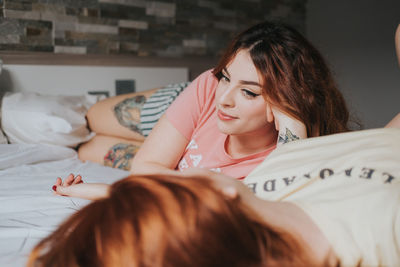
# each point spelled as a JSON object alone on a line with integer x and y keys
{"x": 157, "y": 104}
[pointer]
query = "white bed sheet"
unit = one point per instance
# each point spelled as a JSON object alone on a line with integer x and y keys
{"x": 29, "y": 210}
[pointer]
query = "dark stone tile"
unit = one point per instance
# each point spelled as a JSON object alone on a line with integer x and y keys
{"x": 83, "y": 11}
{"x": 122, "y": 12}
{"x": 182, "y": 22}
{"x": 36, "y": 41}
{"x": 161, "y": 20}
{"x": 83, "y": 37}
{"x": 186, "y": 2}
{"x": 31, "y": 31}
{"x": 129, "y": 48}
{"x": 197, "y": 51}
{"x": 34, "y": 23}
{"x": 91, "y": 12}
{"x": 25, "y": 47}
{"x": 72, "y": 11}
{"x": 72, "y": 3}
{"x": 227, "y": 4}
{"x": 189, "y": 11}
{"x": 11, "y": 26}
{"x": 99, "y": 47}
{"x": 63, "y": 42}
{"x": 166, "y": 1}
{"x": 128, "y": 32}
{"x": 22, "y": 6}
{"x": 21, "y": 1}
{"x": 98, "y": 20}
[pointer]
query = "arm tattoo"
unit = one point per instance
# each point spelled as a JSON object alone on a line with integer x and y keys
{"x": 123, "y": 112}
{"x": 287, "y": 137}
{"x": 120, "y": 156}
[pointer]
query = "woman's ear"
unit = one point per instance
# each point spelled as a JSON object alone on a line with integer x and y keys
{"x": 270, "y": 114}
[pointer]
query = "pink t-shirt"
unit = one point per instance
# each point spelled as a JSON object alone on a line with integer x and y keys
{"x": 194, "y": 115}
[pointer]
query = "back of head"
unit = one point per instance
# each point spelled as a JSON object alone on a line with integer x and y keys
{"x": 295, "y": 76}
{"x": 154, "y": 221}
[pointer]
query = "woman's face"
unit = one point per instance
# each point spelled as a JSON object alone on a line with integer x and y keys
{"x": 241, "y": 109}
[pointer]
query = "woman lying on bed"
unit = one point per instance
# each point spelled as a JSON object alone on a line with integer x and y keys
{"x": 320, "y": 201}
{"x": 271, "y": 82}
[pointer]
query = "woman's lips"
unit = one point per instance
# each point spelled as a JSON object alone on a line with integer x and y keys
{"x": 225, "y": 117}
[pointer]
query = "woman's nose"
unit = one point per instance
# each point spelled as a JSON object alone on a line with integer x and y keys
{"x": 227, "y": 98}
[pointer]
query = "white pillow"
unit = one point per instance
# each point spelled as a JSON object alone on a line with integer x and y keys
{"x": 34, "y": 118}
{"x": 3, "y": 139}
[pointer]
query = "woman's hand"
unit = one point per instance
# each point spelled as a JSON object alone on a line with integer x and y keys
{"x": 73, "y": 186}
{"x": 289, "y": 128}
{"x": 228, "y": 186}
{"x": 70, "y": 180}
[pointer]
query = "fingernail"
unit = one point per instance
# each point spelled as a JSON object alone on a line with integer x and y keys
{"x": 54, "y": 188}
{"x": 230, "y": 192}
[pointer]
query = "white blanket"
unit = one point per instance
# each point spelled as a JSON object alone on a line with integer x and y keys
{"x": 29, "y": 210}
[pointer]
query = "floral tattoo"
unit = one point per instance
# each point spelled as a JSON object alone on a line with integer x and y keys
{"x": 120, "y": 156}
{"x": 123, "y": 112}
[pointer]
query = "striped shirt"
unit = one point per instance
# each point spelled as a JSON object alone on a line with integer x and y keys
{"x": 157, "y": 104}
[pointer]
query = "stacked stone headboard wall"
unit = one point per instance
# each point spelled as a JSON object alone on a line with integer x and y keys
{"x": 126, "y": 30}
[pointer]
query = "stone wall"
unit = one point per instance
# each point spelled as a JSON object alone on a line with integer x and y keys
{"x": 167, "y": 28}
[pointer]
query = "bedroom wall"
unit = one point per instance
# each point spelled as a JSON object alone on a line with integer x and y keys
{"x": 357, "y": 38}
{"x": 186, "y": 34}
{"x": 166, "y": 28}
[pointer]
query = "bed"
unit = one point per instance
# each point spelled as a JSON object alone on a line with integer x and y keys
{"x": 33, "y": 153}
{"x": 41, "y": 132}
{"x": 38, "y": 136}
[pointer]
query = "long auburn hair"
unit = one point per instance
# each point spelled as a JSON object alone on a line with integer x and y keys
{"x": 167, "y": 221}
{"x": 295, "y": 76}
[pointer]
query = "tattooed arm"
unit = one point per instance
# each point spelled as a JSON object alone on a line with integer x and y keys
{"x": 119, "y": 116}
{"x": 289, "y": 128}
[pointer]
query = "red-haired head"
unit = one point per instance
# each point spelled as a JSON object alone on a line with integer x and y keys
{"x": 296, "y": 78}
{"x": 167, "y": 221}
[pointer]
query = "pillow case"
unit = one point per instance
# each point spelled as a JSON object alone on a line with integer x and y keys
{"x": 32, "y": 118}
{"x": 3, "y": 139}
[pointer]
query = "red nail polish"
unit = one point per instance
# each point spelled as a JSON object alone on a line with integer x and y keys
{"x": 54, "y": 188}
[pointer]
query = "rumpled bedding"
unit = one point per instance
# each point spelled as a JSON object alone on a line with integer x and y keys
{"x": 29, "y": 210}
{"x": 32, "y": 118}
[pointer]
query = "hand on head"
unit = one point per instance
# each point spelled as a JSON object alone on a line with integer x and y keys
{"x": 230, "y": 187}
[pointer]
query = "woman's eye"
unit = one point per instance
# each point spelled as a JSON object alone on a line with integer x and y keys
{"x": 224, "y": 78}
{"x": 249, "y": 93}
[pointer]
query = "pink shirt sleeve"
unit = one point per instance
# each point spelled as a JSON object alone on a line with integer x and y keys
{"x": 185, "y": 112}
